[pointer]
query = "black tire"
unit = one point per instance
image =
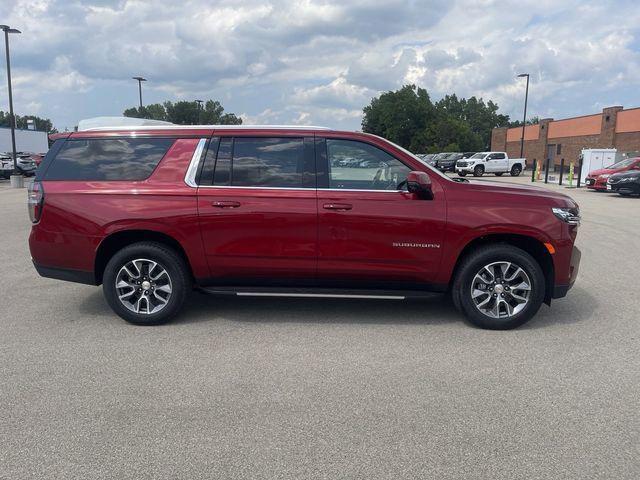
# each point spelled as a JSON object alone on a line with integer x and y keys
{"x": 499, "y": 174}
{"x": 462, "y": 174}
{"x": 516, "y": 170}
{"x": 169, "y": 260}
{"x": 478, "y": 171}
{"x": 473, "y": 263}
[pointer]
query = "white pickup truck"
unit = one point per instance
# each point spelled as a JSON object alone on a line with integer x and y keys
{"x": 490, "y": 162}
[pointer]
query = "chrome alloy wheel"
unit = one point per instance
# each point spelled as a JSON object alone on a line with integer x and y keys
{"x": 501, "y": 290}
{"x": 143, "y": 286}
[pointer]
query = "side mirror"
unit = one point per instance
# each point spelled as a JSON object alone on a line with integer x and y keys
{"x": 419, "y": 183}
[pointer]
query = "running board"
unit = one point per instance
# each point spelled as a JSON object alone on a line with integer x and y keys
{"x": 317, "y": 293}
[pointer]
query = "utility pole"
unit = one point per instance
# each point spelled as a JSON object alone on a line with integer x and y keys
{"x": 140, "y": 80}
{"x": 12, "y": 119}
{"x": 199, "y": 102}
{"x": 524, "y": 119}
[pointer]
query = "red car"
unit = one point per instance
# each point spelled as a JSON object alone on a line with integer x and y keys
{"x": 597, "y": 179}
{"x": 152, "y": 212}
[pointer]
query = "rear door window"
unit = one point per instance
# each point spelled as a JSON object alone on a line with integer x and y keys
{"x": 108, "y": 159}
{"x": 274, "y": 162}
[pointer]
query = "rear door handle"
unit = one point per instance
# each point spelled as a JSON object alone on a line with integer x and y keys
{"x": 225, "y": 204}
{"x": 337, "y": 206}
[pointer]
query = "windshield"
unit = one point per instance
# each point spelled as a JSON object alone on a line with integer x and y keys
{"x": 479, "y": 155}
{"x": 623, "y": 163}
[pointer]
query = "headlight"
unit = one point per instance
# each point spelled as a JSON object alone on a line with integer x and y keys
{"x": 568, "y": 215}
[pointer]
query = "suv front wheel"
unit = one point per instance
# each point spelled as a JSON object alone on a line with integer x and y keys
{"x": 146, "y": 283}
{"x": 499, "y": 287}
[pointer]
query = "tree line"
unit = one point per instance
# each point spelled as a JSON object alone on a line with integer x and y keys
{"x": 186, "y": 113}
{"x": 42, "y": 124}
{"x": 409, "y": 118}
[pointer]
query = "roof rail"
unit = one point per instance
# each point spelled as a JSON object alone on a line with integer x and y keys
{"x": 208, "y": 127}
{"x": 109, "y": 122}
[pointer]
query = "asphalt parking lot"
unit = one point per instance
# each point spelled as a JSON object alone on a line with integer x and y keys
{"x": 299, "y": 388}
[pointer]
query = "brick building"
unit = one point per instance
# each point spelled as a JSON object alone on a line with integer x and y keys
{"x": 557, "y": 139}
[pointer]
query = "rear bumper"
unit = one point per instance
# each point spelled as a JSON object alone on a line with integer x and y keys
{"x": 560, "y": 291}
{"x": 77, "y": 276}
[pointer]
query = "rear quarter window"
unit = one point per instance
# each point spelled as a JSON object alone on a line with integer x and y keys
{"x": 108, "y": 159}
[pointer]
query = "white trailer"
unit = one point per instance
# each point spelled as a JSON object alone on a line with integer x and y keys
{"x": 597, "y": 158}
{"x": 31, "y": 141}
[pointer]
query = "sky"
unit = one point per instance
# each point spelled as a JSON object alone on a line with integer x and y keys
{"x": 318, "y": 62}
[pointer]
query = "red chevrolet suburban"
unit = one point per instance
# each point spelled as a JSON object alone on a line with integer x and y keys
{"x": 151, "y": 212}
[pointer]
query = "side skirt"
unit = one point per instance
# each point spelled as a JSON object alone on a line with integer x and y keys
{"x": 319, "y": 292}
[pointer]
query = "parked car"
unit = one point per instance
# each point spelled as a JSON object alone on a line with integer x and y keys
{"x": 26, "y": 164}
{"x": 597, "y": 179}
{"x": 427, "y": 158}
{"x": 448, "y": 163}
{"x": 625, "y": 183}
{"x": 151, "y": 212}
{"x": 6, "y": 165}
{"x": 490, "y": 162}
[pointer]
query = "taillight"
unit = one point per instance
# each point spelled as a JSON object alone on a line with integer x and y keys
{"x": 35, "y": 201}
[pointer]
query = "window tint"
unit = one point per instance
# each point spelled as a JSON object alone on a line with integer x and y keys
{"x": 260, "y": 162}
{"x": 357, "y": 165}
{"x": 108, "y": 159}
{"x": 498, "y": 156}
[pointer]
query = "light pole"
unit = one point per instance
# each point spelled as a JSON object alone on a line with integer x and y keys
{"x": 199, "y": 102}
{"x": 524, "y": 118}
{"x": 12, "y": 119}
{"x": 140, "y": 80}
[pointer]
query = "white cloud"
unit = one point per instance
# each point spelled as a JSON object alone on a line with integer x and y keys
{"x": 320, "y": 61}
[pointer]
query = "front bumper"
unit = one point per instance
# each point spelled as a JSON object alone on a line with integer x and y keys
{"x": 560, "y": 291}
{"x": 595, "y": 184}
{"x": 629, "y": 188}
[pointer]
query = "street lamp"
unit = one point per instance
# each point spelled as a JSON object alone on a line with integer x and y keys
{"x": 12, "y": 119}
{"x": 140, "y": 80}
{"x": 199, "y": 102}
{"x": 524, "y": 119}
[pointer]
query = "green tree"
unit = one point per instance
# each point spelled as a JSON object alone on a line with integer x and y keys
{"x": 400, "y": 116}
{"x": 518, "y": 123}
{"x": 481, "y": 117}
{"x": 409, "y": 118}
{"x": 186, "y": 113}
{"x": 154, "y": 111}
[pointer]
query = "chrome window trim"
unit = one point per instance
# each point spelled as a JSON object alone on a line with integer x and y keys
{"x": 190, "y": 176}
{"x": 303, "y": 189}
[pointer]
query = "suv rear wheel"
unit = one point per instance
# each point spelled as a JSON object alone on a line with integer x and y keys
{"x": 478, "y": 171}
{"x": 146, "y": 283}
{"x": 499, "y": 287}
{"x": 515, "y": 170}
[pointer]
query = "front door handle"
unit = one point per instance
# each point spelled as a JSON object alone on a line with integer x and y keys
{"x": 337, "y": 206}
{"x": 225, "y": 204}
